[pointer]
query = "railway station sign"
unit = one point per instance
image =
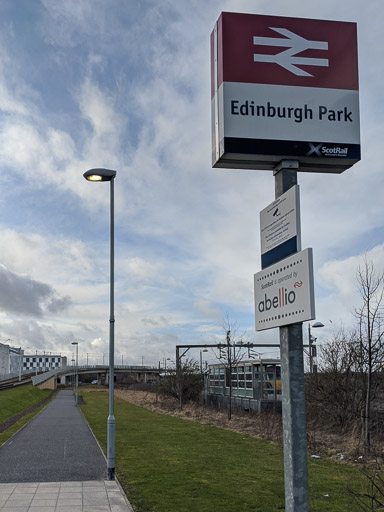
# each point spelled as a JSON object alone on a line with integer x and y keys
{"x": 284, "y": 292}
{"x": 284, "y": 88}
{"x": 280, "y": 233}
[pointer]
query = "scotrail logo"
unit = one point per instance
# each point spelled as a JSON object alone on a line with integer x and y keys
{"x": 334, "y": 151}
{"x": 322, "y": 150}
{"x": 284, "y": 298}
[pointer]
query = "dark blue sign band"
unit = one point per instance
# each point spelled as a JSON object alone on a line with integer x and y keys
{"x": 279, "y": 253}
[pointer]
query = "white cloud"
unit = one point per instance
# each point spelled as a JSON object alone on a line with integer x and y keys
{"x": 137, "y": 99}
{"x": 208, "y": 311}
{"x": 340, "y": 296}
{"x": 98, "y": 108}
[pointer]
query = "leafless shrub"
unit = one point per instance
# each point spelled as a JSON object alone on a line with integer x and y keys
{"x": 372, "y": 498}
{"x": 188, "y": 381}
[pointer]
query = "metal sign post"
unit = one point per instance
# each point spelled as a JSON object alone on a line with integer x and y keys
{"x": 292, "y": 385}
{"x": 274, "y": 108}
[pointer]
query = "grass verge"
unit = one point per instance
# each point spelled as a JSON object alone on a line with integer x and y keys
{"x": 167, "y": 464}
{"x": 15, "y": 401}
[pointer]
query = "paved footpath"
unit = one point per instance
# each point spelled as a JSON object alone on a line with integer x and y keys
{"x": 54, "y": 464}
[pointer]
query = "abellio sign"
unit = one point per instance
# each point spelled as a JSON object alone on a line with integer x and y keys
{"x": 284, "y": 88}
{"x": 284, "y": 292}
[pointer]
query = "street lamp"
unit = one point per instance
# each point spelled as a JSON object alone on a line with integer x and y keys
{"x": 73, "y": 375}
{"x": 109, "y": 175}
{"x": 77, "y": 370}
{"x": 312, "y": 367}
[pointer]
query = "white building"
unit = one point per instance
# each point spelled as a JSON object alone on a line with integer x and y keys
{"x": 4, "y": 359}
{"x": 43, "y": 362}
{"x": 10, "y": 359}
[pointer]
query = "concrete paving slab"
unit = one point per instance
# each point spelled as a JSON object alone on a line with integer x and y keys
{"x": 69, "y": 497}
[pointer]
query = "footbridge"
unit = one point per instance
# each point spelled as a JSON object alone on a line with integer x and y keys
{"x": 100, "y": 373}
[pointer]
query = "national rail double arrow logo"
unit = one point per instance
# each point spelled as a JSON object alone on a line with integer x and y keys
{"x": 287, "y": 58}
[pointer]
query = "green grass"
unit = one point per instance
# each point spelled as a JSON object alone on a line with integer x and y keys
{"x": 16, "y": 400}
{"x": 166, "y": 464}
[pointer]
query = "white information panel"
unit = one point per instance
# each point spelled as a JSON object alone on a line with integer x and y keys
{"x": 284, "y": 292}
{"x": 280, "y": 221}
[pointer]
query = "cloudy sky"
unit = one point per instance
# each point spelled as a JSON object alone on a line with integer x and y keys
{"x": 125, "y": 84}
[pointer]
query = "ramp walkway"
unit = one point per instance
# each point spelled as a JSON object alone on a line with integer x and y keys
{"x": 55, "y": 464}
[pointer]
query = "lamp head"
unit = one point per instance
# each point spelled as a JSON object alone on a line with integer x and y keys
{"x": 99, "y": 174}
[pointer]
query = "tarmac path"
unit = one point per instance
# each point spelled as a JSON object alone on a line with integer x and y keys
{"x": 56, "y": 445}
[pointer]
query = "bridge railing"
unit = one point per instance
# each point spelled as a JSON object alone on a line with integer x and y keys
{"x": 116, "y": 367}
{"x": 38, "y": 379}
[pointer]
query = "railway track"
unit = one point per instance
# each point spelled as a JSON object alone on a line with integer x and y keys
{"x": 14, "y": 381}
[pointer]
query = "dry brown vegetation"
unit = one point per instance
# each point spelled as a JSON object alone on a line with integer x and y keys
{"x": 264, "y": 426}
{"x": 337, "y": 446}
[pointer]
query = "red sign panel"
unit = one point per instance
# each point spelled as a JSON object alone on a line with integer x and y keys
{"x": 299, "y": 52}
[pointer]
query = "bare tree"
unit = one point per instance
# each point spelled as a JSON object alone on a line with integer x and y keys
{"x": 351, "y": 363}
{"x": 370, "y": 334}
{"x": 334, "y": 395}
{"x": 230, "y": 354}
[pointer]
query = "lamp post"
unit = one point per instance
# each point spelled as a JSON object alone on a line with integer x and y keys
{"x": 109, "y": 175}
{"x": 20, "y": 362}
{"x": 22, "y": 352}
{"x": 312, "y": 367}
{"x": 77, "y": 371}
{"x": 73, "y": 375}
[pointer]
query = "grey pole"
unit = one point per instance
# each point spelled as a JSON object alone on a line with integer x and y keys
{"x": 101, "y": 174}
{"x": 111, "y": 426}
{"x": 77, "y": 372}
{"x": 310, "y": 349}
{"x": 20, "y": 363}
{"x": 292, "y": 380}
{"x": 178, "y": 376}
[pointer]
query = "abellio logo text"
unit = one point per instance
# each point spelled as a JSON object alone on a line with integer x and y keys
{"x": 284, "y": 298}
